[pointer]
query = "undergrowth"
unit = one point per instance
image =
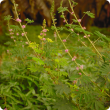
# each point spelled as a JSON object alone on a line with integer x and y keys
{"x": 52, "y": 76}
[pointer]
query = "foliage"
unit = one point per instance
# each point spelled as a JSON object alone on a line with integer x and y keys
{"x": 47, "y": 76}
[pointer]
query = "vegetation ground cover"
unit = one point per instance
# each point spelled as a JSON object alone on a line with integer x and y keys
{"x": 46, "y": 69}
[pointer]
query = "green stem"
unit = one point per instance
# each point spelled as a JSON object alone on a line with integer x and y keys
{"x": 20, "y": 22}
{"x": 85, "y": 33}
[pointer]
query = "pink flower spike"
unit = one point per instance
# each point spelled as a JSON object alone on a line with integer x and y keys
{"x": 44, "y": 34}
{"x": 72, "y": 13}
{"x": 88, "y": 35}
{"x": 17, "y": 34}
{"x": 7, "y": 51}
{"x": 80, "y": 74}
{"x": 5, "y": 109}
{"x": 18, "y": 20}
{"x": 11, "y": 33}
{"x": 71, "y": 29}
{"x": 41, "y": 34}
{"x": 84, "y": 27}
{"x": 79, "y": 20}
{"x": 12, "y": 37}
{"x": 66, "y": 50}
{"x": 74, "y": 57}
{"x": 74, "y": 82}
{"x": 10, "y": 29}
{"x": 23, "y": 26}
{"x": 43, "y": 39}
{"x": 77, "y": 68}
{"x": 84, "y": 36}
{"x": 64, "y": 40}
{"x": 44, "y": 30}
{"x": 22, "y": 34}
{"x": 81, "y": 66}
{"x": 64, "y": 21}
{"x": 26, "y": 42}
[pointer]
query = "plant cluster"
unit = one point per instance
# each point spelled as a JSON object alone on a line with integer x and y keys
{"x": 46, "y": 77}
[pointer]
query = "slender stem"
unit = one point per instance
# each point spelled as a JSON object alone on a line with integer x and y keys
{"x": 85, "y": 33}
{"x": 72, "y": 57}
{"x": 20, "y": 22}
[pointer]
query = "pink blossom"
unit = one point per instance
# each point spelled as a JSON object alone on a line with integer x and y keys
{"x": 5, "y": 109}
{"x": 44, "y": 30}
{"x": 43, "y": 39}
{"x": 79, "y": 20}
{"x": 12, "y": 37}
{"x": 88, "y": 35}
{"x": 23, "y": 26}
{"x": 81, "y": 66}
{"x": 10, "y": 29}
{"x": 18, "y": 20}
{"x": 74, "y": 82}
{"x": 74, "y": 57}
{"x": 26, "y": 42}
{"x": 84, "y": 36}
{"x": 22, "y": 34}
{"x": 7, "y": 51}
{"x": 78, "y": 34}
{"x": 11, "y": 33}
{"x": 64, "y": 40}
{"x": 72, "y": 13}
{"x": 45, "y": 34}
{"x": 77, "y": 68}
{"x": 17, "y": 34}
{"x": 41, "y": 34}
{"x": 80, "y": 74}
{"x": 14, "y": 40}
{"x": 66, "y": 50}
{"x": 64, "y": 21}
{"x": 84, "y": 27}
{"x": 71, "y": 29}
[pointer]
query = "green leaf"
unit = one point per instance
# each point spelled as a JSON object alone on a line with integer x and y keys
{"x": 39, "y": 61}
{"x": 101, "y": 35}
{"x": 29, "y": 21}
{"x": 62, "y": 9}
{"x": 62, "y": 88}
{"x": 74, "y": 77}
{"x": 81, "y": 97}
{"x": 99, "y": 104}
{"x": 7, "y": 17}
{"x": 63, "y": 104}
{"x": 85, "y": 79}
{"x": 90, "y": 14}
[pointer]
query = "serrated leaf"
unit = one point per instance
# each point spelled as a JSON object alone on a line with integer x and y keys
{"x": 39, "y": 61}
{"x": 85, "y": 79}
{"x": 63, "y": 104}
{"x": 101, "y": 35}
{"x": 29, "y": 21}
{"x": 62, "y": 88}
{"x": 90, "y": 14}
